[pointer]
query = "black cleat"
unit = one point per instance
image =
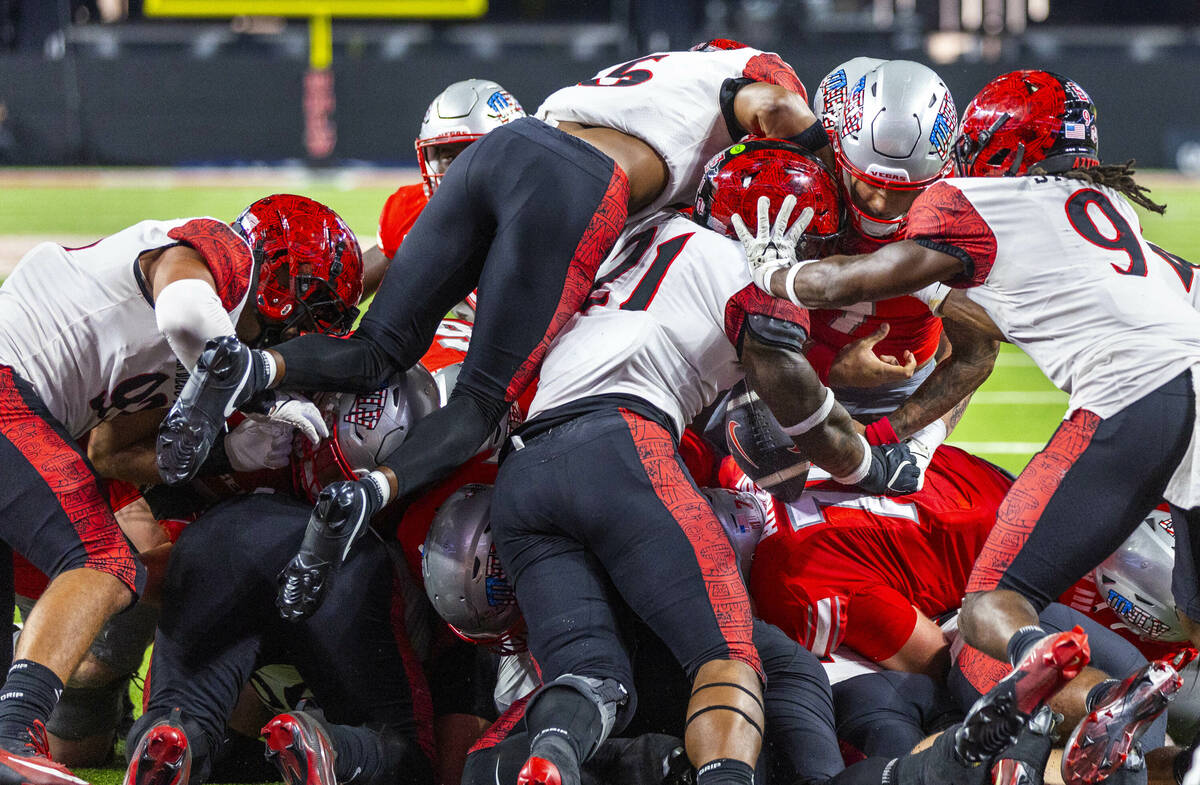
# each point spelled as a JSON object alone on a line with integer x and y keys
{"x": 343, "y": 510}
{"x": 28, "y": 762}
{"x": 1024, "y": 763}
{"x": 227, "y": 375}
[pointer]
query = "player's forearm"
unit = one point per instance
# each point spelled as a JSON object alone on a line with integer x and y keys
{"x": 948, "y": 389}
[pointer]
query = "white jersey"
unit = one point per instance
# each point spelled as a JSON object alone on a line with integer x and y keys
{"x": 672, "y": 101}
{"x": 1062, "y": 269}
{"x": 78, "y": 323}
{"x": 662, "y": 322}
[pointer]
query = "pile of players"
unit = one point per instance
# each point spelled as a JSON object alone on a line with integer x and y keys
{"x": 637, "y": 450}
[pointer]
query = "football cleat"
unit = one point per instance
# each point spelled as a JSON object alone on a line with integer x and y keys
{"x": 28, "y": 762}
{"x": 340, "y": 517}
{"x": 1024, "y": 763}
{"x": 300, "y": 748}
{"x": 996, "y": 719}
{"x": 1106, "y": 739}
{"x": 539, "y": 771}
{"x": 226, "y": 375}
{"x": 162, "y": 757}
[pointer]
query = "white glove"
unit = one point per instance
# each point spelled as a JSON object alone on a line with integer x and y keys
{"x": 299, "y": 413}
{"x": 259, "y": 444}
{"x": 933, "y": 295}
{"x": 774, "y": 247}
{"x": 923, "y": 444}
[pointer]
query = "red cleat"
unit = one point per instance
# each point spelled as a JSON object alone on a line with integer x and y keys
{"x": 539, "y": 771}
{"x": 162, "y": 757}
{"x": 1105, "y": 739}
{"x": 996, "y": 719}
{"x": 30, "y": 764}
{"x": 300, "y": 748}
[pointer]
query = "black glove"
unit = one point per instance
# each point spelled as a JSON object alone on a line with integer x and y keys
{"x": 893, "y": 472}
{"x": 339, "y": 519}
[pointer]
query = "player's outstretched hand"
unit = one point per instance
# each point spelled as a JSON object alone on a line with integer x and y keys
{"x": 340, "y": 517}
{"x": 773, "y": 247}
{"x": 893, "y": 472}
{"x": 227, "y": 375}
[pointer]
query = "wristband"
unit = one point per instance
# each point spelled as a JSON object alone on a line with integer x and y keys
{"x": 882, "y": 432}
{"x": 269, "y": 367}
{"x": 789, "y": 282}
{"x": 812, "y": 138}
{"x": 383, "y": 487}
{"x": 814, "y": 419}
{"x": 863, "y": 468}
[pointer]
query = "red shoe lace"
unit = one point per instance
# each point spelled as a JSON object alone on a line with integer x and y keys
{"x": 38, "y": 741}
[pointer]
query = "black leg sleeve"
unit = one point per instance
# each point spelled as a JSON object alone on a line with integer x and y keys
{"x": 444, "y": 440}
{"x": 321, "y": 362}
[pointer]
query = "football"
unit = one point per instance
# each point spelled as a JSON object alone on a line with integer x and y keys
{"x": 761, "y": 449}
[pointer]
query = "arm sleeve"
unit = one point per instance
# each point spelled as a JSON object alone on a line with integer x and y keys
{"x": 228, "y": 257}
{"x": 879, "y": 622}
{"x": 189, "y": 314}
{"x": 770, "y": 68}
{"x": 776, "y": 321}
{"x": 943, "y": 219}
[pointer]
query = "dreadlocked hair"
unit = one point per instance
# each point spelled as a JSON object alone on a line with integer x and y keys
{"x": 1118, "y": 177}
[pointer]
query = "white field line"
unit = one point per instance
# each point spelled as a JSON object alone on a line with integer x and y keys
{"x": 1020, "y": 397}
{"x": 999, "y": 448}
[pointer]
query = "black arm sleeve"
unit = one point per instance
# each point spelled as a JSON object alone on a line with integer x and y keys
{"x": 769, "y": 331}
{"x": 316, "y": 363}
{"x": 729, "y": 91}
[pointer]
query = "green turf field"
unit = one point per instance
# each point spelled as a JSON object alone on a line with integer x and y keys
{"x": 1009, "y": 419}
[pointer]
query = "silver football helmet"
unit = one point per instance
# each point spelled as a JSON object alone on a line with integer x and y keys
{"x": 896, "y": 132}
{"x": 364, "y": 429}
{"x": 462, "y": 112}
{"x": 830, "y": 97}
{"x": 743, "y": 519}
{"x": 1135, "y": 581}
{"x": 463, "y": 577}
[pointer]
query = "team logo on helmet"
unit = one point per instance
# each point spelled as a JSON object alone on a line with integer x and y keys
{"x": 944, "y": 127}
{"x": 853, "y": 111}
{"x": 832, "y": 98}
{"x": 1136, "y": 616}
{"x": 368, "y": 409}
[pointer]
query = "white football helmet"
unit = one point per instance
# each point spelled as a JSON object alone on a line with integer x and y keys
{"x": 463, "y": 577}
{"x": 896, "y": 132}
{"x": 363, "y": 429}
{"x": 830, "y": 97}
{"x": 743, "y": 519}
{"x": 1135, "y": 581}
{"x": 463, "y": 112}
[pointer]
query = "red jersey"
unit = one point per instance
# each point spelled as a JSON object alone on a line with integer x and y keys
{"x": 912, "y": 325}
{"x": 400, "y": 212}
{"x": 842, "y": 567}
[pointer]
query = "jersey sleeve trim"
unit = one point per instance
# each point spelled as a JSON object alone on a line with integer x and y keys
{"x": 752, "y": 300}
{"x": 770, "y": 68}
{"x": 228, "y": 257}
{"x": 729, "y": 91}
{"x": 943, "y": 219}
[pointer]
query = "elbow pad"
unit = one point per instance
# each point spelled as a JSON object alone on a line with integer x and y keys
{"x": 189, "y": 314}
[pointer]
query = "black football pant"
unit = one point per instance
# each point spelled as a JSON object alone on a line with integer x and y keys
{"x": 219, "y": 623}
{"x": 526, "y": 215}
{"x": 887, "y": 714}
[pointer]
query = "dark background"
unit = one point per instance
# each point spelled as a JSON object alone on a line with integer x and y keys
{"x": 78, "y": 90}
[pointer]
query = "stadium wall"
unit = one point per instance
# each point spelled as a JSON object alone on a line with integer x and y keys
{"x": 158, "y": 109}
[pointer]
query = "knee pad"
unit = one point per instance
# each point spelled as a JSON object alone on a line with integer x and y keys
{"x": 122, "y": 642}
{"x": 609, "y": 696}
{"x": 88, "y": 711}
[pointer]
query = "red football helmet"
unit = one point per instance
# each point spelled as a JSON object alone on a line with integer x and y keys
{"x": 310, "y": 269}
{"x": 718, "y": 44}
{"x": 1025, "y": 118}
{"x": 735, "y": 178}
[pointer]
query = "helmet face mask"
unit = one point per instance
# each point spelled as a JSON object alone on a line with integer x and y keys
{"x": 308, "y": 265}
{"x": 1024, "y": 119}
{"x": 735, "y": 178}
{"x": 459, "y": 115}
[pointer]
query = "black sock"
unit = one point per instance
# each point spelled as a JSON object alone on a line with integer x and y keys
{"x": 1021, "y": 640}
{"x": 725, "y": 771}
{"x": 357, "y": 749}
{"x": 567, "y": 713}
{"x": 29, "y": 695}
